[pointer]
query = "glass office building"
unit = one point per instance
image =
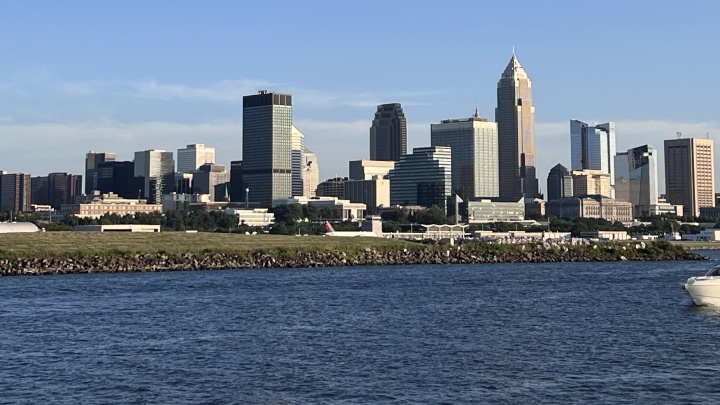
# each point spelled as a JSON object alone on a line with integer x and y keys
{"x": 156, "y": 167}
{"x": 642, "y": 167}
{"x": 593, "y": 148}
{"x": 267, "y": 147}
{"x": 422, "y": 178}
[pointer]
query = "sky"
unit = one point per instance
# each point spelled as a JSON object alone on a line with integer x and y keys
{"x": 127, "y": 76}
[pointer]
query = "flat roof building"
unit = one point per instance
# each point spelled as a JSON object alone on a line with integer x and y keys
{"x": 267, "y": 146}
{"x": 193, "y": 156}
{"x": 474, "y": 145}
{"x": 689, "y": 173}
{"x": 422, "y": 178}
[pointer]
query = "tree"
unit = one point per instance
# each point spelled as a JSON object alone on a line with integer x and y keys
{"x": 310, "y": 211}
{"x": 287, "y": 213}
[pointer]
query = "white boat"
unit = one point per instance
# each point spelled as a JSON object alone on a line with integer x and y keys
{"x": 705, "y": 290}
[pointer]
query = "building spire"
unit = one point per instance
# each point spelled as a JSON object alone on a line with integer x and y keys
{"x": 477, "y": 112}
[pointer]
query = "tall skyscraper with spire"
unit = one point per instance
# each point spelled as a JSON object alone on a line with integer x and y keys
{"x": 515, "y": 117}
{"x": 388, "y": 133}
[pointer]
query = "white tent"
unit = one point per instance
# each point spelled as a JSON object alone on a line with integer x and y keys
{"x": 17, "y": 227}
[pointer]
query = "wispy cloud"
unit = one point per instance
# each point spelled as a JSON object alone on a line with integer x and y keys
{"x": 223, "y": 91}
{"x": 230, "y": 90}
{"x": 82, "y": 88}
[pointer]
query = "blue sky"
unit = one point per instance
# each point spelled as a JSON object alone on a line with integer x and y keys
{"x": 128, "y": 76}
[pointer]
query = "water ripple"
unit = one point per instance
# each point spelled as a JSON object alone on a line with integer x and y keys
{"x": 535, "y": 333}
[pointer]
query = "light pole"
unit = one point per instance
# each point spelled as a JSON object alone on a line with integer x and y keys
{"x": 247, "y": 198}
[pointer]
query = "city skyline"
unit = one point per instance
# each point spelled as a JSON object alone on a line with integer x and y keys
{"x": 122, "y": 78}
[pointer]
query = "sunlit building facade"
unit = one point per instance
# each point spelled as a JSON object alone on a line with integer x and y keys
{"x": 193, "y": 156}
{"x": 474, "y": 145}
{"x": 515, "y": 117}
{"x": 156, "y": 168}
{"x": 689, "y": 174}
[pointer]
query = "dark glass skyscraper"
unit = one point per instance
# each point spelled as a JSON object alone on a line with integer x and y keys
{"x": 559, "y": 183}
{"x": 267, "y": 146}
{"x": 388, "y": 133}
{"x": 119, "y": 178}
{"x": 515, "y": 116}
{"x": 92, "y": 161}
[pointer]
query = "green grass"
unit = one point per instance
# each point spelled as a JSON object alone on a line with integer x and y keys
{"x": 88, "y": 244}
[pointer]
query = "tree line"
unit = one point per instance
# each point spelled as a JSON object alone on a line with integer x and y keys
{"x": 309, "y": 219}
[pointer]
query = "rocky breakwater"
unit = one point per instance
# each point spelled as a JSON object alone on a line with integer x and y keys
{"x": 418, "y": 254}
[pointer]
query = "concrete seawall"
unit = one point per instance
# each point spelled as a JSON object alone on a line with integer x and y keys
{"x": 430, "y": 254}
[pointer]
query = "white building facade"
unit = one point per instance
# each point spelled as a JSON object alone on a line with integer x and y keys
{"x": 193, "y": 156}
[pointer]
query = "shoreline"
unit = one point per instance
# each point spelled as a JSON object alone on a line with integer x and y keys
{"x": 466, "y": 253}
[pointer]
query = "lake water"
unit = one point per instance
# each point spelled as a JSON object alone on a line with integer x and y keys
{"x": 493, "y": 333}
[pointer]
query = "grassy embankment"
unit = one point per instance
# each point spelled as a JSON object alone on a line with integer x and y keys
{"x": 90, "y": 244}
{"x": 87, "y": 245}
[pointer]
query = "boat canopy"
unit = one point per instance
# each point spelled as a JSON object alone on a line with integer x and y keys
{"x": 715, "y": 271}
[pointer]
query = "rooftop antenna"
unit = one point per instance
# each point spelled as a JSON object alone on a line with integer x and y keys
{"x": 678, "y": 134}
{"x": 707, "y": 135}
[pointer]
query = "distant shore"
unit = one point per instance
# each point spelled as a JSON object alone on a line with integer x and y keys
{"x": 180, "y": 252}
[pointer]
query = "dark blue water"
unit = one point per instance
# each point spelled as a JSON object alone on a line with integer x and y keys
{"x": 529, "y": 333}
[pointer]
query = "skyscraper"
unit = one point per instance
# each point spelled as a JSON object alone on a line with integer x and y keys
{"x": 642, "y": 167}
{"x": 388, "y": 133}
{"x": 298, "y": 145}
{"x": 61, "y": 189}
{"x": 92, "y": 161}
{"x": 156, "y": 167}
{"x": 311, "y": 172}
{"x": 119, "y": 178}
{"x": 423, "y": 178}
{"x": 622, "y": 176}
{"x": 593, "y": 148}
{"x": 689, "y": 177}
{"x": 237, "y": 188}
{"x": 559, "y": 183}
{"x": 515, "y": 117}
{"x": 193, "y": 156}
{"x": 267, "y": 146}
{"x": 473, "y": 142}
{"x": 15, "y": 192}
